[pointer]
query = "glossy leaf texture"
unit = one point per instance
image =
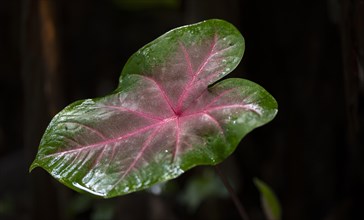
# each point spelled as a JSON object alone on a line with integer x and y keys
{"x": 165, "y": 117}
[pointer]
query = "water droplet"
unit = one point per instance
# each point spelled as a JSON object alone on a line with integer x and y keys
{"x": 157, "y": 189}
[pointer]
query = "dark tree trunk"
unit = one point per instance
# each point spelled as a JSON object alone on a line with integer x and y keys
{"x": 352, "y": 38}
{"x": 42, "y": 96}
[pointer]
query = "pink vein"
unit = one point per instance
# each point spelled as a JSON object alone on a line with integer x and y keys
{"x": 144, "y": 147}
{"x": 218, "y": 97}
{"x": 211, "y": 76}
{"x": 208, "y": 57}
{"x": 142, "y": 114}
{"x": 70, "y": 139}
{"x": 101, "y": 144}
{"x": 99, "y": 156}
{"x": 187, "y": 58}
{"x": 223, "y": 50}
{"x": 204, "y": 63}
{"x": 204, "y": 111}
{"x": 213, "y": 100}
{"x": 88, "y": 128}
{"x": 70, "y": 164}
{"x": 233, "y": 106}
{"x": 112, "y": 154}
{"x": 163, "y": 92}
{"x": 217, "y": 124}
{"x": 207, "y": 79}
{"x": 176, "y": 150}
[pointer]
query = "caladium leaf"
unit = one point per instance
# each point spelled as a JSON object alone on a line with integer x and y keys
{"x": 164, "y": 118}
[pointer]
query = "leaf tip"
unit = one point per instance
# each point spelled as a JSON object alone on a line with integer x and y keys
{"x": 269, "y": 200}
{"x": 33, "y": 165}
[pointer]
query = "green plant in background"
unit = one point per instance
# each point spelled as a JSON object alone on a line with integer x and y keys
{"x": 201, "y": 187}
{"x": 166, "y": 116}
{"x": 270, "y": 203}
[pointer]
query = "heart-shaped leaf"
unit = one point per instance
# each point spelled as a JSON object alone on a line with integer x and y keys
{"x": 163, "y": 118}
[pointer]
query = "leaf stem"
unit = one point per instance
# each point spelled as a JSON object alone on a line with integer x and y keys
{"x": 239, "y": 206}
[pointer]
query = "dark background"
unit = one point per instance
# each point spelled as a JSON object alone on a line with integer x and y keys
{"x": 309, "y": 54}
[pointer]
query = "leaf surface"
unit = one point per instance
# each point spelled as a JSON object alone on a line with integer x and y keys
{"x": 165, "y": 117}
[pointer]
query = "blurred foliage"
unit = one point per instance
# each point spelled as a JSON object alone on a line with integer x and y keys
{"x": 164, "y": 188}
{"x": 270, "y": 203}
{"x": 103, "y": 211}
{"x": 7, "y": 206}
{"x": 95, "y": 208}
{"x": 147, "y": 4}
{"x": 79, "y": 203}
{"x": 201, "y": 187}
